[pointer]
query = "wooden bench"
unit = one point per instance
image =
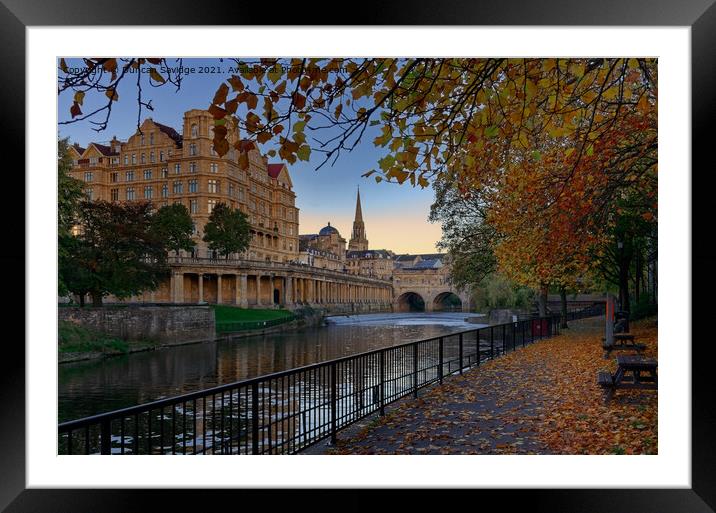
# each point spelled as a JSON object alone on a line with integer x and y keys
{"x": 605, "y": 380}
{"x": 626, "y": 337}
{"x": 622, "y": 341}
{"x": 633, "y": 371}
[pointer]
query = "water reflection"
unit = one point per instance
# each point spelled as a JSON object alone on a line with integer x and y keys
{"x": 91, "y": 387}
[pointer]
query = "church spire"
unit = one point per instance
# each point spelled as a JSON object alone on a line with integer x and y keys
{"x": 359, "y": 241}
{"x": 359, "y": 212}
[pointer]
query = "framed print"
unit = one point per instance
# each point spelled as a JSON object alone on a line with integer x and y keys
{"x": 292, "y": 305}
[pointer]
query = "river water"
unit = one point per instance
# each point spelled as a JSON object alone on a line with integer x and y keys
{"x": 96, "y": 386}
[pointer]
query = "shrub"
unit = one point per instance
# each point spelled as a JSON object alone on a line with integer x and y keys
{"x": 645, "y": 307}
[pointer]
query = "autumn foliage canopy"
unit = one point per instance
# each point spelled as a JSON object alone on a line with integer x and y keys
{"x": 557, "y": 149}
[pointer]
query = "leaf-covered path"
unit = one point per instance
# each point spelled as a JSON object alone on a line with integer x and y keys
{"x": 542, "y": 399}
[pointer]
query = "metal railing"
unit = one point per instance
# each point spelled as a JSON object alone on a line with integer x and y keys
{"x": 285, "y": 412}
{"x": 597, "y": 308}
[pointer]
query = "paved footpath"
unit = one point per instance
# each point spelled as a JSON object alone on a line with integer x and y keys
{"x": 501, "y": 406}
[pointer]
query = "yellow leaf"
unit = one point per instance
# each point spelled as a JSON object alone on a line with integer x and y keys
{"x": 79, "y": 97}
{"x": 275, "y": 73}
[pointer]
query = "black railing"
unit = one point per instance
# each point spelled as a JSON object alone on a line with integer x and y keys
{"x": 597, "y": 308}
{"x": 288, "y": 411}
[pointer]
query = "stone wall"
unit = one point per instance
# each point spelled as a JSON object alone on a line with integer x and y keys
{"x": 356, "y": 308}
{"x": 163, "y": 324}
{"x": 505, "y": 315}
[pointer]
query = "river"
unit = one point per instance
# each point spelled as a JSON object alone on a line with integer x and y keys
{"x": 96, "y": 386}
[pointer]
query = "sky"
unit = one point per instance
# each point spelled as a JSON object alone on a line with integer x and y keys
{"x": 395, "y": 216}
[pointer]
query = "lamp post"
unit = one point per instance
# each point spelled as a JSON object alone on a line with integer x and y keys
{"x": 623, "y": 280}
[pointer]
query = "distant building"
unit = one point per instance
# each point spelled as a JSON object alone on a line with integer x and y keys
{"x": 371, "y": 262}
{"x": 322, "y": 250}
{"x": 325, "y": 249}
{"x": 421, "y": 261}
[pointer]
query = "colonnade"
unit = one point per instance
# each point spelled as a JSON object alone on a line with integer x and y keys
{"x": 252, "y": 288}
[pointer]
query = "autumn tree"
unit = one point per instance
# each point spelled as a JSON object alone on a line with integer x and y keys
{"x": 466, "y": 234}
{"x": 227, "y": 230}
{"x": 549, "y": 145}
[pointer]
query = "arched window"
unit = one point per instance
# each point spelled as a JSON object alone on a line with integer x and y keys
{"x": 194, "y": 131}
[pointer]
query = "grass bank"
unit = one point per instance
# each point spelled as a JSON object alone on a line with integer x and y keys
{"x": 73, "y": 338}
{"x": 232, "y": 319}
{"x": 226, "y": 313}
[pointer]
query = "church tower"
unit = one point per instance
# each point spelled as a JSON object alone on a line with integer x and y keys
{"x": 358, "y": 241}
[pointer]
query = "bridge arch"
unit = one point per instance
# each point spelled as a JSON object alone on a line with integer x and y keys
{"x": 447, "y": 301}
{"x": 410, "y": 302}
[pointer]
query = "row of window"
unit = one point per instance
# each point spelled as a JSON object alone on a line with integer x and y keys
{"x": 153, "y": 156}
{"x": 148, "y": 174}
{"x": 214, "y": 187}
{"x": 143, "y": 157}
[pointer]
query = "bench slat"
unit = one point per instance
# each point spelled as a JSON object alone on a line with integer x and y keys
{"x": 605, "y": 379}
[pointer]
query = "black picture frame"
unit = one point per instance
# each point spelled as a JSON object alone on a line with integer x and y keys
{"x": 700, "y": 15}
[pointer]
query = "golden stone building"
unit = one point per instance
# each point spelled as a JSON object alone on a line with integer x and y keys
{"x": 160, "y": 165}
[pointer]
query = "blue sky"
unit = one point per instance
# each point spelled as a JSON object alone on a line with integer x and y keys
{"x": 395, "y": 215}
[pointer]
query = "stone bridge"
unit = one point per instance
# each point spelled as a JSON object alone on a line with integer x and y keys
{"x": 427, "y": 290}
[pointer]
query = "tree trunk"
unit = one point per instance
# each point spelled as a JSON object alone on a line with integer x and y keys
{"x": 638, "y": 275}
{"x": 542, "y": 301}
{"x": 96, "y": 298}
{"x": 563, "y": 300}
{"x": 82, "y": 299}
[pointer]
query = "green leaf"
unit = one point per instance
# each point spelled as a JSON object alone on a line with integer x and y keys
{"x": 492, "y": 131}
{"x": 304, "y": 152}
{"x": 298, "y": 126}
{"x": 386, "y": 162}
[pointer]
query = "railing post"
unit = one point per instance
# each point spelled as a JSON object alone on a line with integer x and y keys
{"x": 492, "y": 343}
{"x": 415, "y": 369}
{"x": 255, "y": 418}
{"x": 334, "y": 405}
{"x": 382, "y": 383}
{"x": 504, "y": 336}
{"x": 513, "y": 336}
{"x": 460, "y": 353}
{"x": 477, "y": 346}
{"x": 440, "y": 359}
{"x": 105, "y": 437}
